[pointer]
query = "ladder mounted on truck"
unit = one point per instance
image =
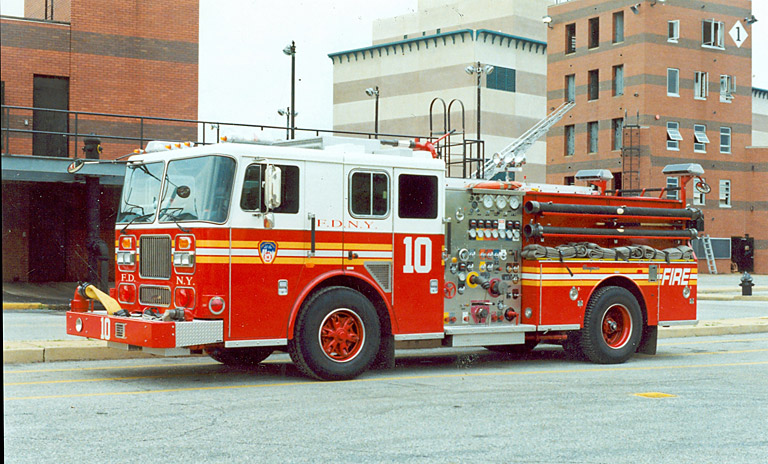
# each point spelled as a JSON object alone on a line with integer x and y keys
{"x": 513, "y": 155}
{"x": 709, "y": 253}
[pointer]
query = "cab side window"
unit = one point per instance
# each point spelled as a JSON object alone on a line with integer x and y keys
{"x": 252, "y": 197}
{"x": 418, "y": 196}
{"x": 369, "y": 194}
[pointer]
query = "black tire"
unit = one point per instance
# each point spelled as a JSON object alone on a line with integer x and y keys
{"x": 337, "y": 335}
{"x": 240, "y": 357}
{"x": 613, "y": 325}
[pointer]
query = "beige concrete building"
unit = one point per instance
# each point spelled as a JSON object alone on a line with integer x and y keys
{"x": 759, "y": 117}
{"x": 418, "y": 57}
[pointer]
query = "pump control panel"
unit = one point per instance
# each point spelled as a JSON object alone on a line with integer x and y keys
{"x": 483, "y": 263}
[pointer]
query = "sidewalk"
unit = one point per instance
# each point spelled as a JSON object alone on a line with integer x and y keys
{"x": 56, "y": 296}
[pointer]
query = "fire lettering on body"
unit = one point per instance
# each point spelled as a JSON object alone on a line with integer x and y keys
{"x": 675, "y": 276}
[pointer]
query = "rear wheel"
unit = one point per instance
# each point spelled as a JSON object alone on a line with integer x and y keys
{"x": 240, "y": 357}
{"x": 612, "y": 326}
{"x": 337, "y": 335}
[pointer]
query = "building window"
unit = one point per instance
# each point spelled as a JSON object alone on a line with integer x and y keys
{"x": 700, "y": 85}
{"x": 570, "y": 38}
{"x": 673, "y": 31}
{"x": 592, "y": 131}
{"x": 594, "y": 32}
{"x": 673, "y": 135}
{"x": 570, "y": 87}
{"x": 570, "y": 140}
{"x": 725, "y": 193}
{"x": 672, "y": 188}
{"x": 712, "y": 33}
{"x": 593, "y": 87}
{"x": 618, "y": 80}
{"x": 725, "y": 140}
{"x": 618, "y": 27}
{"x": 617, "y": 126}
{"x": 727, "y": 88}
{"x": 701, "y": 139}
{"x": 699, "y": 198}
{"x": 673, "y": 82}
{"x": 501, "y": 79}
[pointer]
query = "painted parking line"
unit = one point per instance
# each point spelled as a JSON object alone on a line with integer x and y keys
{"x": 392, "y": 378}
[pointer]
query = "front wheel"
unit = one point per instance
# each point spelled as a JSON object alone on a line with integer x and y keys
{"x": 337, "y": 335}
{"x": 612, "y": 326}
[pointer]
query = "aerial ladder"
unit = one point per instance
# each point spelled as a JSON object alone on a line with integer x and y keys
{"x": 512, "y": 157}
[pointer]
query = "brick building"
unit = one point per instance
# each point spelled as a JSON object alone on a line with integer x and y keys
{"x": 91, "y": 60}
{"x": 660, "y": 82}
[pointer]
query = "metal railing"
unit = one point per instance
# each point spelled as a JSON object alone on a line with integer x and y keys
{"x": 127, "y": 132}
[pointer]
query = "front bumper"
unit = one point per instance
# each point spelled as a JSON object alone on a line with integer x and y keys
{"x": 140, "y": 333}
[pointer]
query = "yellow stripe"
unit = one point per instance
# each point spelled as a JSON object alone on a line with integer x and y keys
{"x": 318, "y": 246}
{"x": 213, "y": 259}
{"x": 417, "y": 377}
{"x": 569, "y": 283}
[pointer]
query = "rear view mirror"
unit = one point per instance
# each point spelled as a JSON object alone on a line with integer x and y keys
{"x": 272, "y": 186}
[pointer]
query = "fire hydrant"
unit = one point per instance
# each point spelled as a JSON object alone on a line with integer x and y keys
{"x": 746, "y": 284}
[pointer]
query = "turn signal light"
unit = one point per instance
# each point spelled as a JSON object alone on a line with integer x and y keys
{"x": 126, "y": 293}
{"x": 216, "y": 305}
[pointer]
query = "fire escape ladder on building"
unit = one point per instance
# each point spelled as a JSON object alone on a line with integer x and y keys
{"x": 709, "y": 253}
{"x": 512, "y": 157}
{"x": 630, "y": 156}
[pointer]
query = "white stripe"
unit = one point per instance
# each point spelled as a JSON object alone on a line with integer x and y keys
{"x": 212, "y": 251}
{"x": 245, "y": 252}
{"x": 566, "y": 276}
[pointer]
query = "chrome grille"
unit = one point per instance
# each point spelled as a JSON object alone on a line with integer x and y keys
{"x": 153, "y": 295}
{"x": 155, "y": 257}
{"x": 119, "y": 330}
{"x": 381, "y": 273}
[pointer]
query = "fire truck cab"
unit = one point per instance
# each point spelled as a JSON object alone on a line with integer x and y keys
{"x": 335, "y": 249}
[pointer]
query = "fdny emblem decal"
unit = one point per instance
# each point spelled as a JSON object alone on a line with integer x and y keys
{"x": 267, "y": 252}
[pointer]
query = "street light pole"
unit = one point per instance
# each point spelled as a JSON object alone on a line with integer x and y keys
{"x": 479, "y": 70}
{"x": 291, "y": 50}
{"x": 287, "y": 113}
{"x": 374, "y": 92}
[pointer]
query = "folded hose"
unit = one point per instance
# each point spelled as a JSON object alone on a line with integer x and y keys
{"x": 593, "y": 251}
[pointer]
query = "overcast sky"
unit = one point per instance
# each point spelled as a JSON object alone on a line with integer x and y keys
{"x": 245, "y": 77}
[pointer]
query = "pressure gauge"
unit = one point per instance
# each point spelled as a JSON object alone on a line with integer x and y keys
{"x": 488, "y": 201}
{"x": 495, "y": 233}
{"x": 472, "y": 234}
{"x": 501, "y": 201}
{"x": 514, "y": 203}
{"x": 487, "y": 233}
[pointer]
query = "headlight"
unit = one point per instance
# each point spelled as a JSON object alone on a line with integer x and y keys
{"x": 126, "y": 258}
{"x": 183, "y": 259}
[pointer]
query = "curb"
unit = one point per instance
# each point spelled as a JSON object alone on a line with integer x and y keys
{"x": 717, "y": 297}
{"x": 97, "y": 350}
{"x": 52, "y": 307}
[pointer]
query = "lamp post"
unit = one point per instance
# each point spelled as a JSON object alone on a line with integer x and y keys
{"x": 287, "y": 113}
{"x": 291, "y": 51}
{"x": 374, "y": 92}
{"x": 479, "y": 70}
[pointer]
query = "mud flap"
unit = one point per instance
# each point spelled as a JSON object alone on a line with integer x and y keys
{"x": 649, "y": 340}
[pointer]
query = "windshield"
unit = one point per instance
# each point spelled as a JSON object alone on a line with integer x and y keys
{"x": 141, "y": 191}
{"x": 198, "y": 189}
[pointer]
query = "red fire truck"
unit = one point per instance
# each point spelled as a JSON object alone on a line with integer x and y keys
{"x": 336, "y": 249}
